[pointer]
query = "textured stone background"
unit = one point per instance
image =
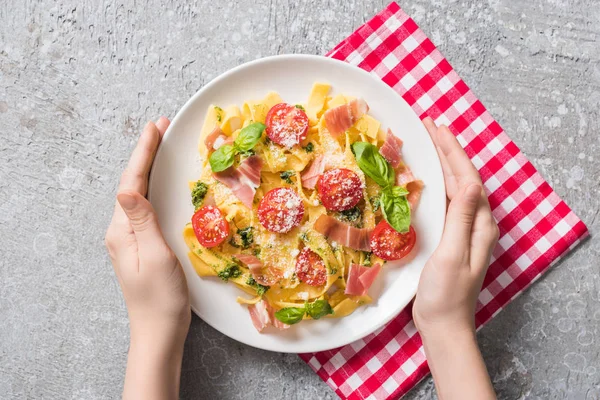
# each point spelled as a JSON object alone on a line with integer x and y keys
{"x": 80, "y": 78}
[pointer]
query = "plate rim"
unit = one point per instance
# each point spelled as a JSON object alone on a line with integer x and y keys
{"x": 283, "y": 57}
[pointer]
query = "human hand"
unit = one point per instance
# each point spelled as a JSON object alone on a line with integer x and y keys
{"x": 451, "y": 280}
{"x": 444, "y": 309}
{"x": 151, "y": 278}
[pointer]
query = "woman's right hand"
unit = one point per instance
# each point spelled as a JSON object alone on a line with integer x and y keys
{"x": 452, "y": 278}
{"x": 444, "y": 308}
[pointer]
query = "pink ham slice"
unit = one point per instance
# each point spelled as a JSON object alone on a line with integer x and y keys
{"x": 259, "y": 314}
{"x": 360, "y": 279}
{"x": 404, "y": 177}
{"x": 368, "y": 277}
{"x": 339, "y": 119}
{"x": 311, "y": 175}
{"x": 256, "y": 267}
{"x": 414, "y": 193}
{"x": 242, "y": 180}
{"x": 342, "y": 233}
{"x": 391, "y": 149}
{"x": 210, "y": 139}
{"x": 276, "y": 323}
{"x": 222, "y": 140}
{"x": 216, "y": 139}
{"x": 263, "y": 315}
{"x": 414, "y": 186}
{"x": 209, "y": 200}
{"x": 254, "y": 264}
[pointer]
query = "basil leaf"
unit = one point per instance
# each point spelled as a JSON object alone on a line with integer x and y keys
{"x": 290, "y": 315}
{"x": 318, "y": 309}
{"x": 222, "y": 159}
{"x": 373, "y": 164}
{"x": 249, "y": 136}
{"x": 395, "y": 208}
{"x": 399, "y": 191}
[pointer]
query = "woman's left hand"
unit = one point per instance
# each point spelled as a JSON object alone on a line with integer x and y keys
{"x": 151, "y": 277}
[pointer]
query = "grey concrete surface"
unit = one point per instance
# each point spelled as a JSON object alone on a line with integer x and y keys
{"x": 80, "y": 78}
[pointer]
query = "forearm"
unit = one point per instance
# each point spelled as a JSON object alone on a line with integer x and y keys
{"x": 153, "y": 369}
{"x": 457, "y": 366}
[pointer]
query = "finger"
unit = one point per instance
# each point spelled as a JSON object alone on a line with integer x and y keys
{"x": 462, "y": 167}
{"x": 143, "y": 221}
{"x": 431, "y": 129}
{"x": 459, "y": 220}
{"x": 484, "y": 237}
{"x": 135, "y": 176}
{"x": 449, "y": 178}
{"x": 162, "y": 124}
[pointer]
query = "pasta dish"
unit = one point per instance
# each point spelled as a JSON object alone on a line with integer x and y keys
{"x": 300, "y": 205}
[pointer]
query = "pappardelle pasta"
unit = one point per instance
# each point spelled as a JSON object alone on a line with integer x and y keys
{"x": 300, "y": 205}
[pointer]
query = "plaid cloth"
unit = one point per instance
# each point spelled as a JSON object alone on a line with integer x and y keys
{"x": 536, "y": 226}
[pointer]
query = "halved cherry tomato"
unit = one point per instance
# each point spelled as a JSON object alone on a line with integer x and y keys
{"x": 339, "y": 189}
{"x": 287, "y": 125}
{"x": 210, "y": 226}
{"x": 310, "y": 268}
{"x": 388, "y": 244}
{"x": 280, "y": 210}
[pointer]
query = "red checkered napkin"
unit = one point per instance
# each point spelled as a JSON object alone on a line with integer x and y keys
{"x": 536, "y": 226}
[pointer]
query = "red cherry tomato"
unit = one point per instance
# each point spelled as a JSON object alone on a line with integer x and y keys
{"x": 286, "y": 124}
{"x": 310, "y": 268}
{"x": 210, "y": 226}
{"x": 339, "y": 189}
{"x": 280, "y": 210}
{"x": 388, "y": 244}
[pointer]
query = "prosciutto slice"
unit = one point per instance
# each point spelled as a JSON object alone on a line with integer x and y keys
{"x": 276, "y": 323}
{"x": 391, "y": 149}
{"x": 342, "y": 233}
{"x": 339, "y": 119}
{"x": 311, "y": 175}
{"x": 254, "y": 264}
{"x": 210, "y": 139}
{"x": 263, "y": 315}
{"x": 242, "y": 180}
{"x": 221, "y": 140}
{"x": 266, "y": 278}
{"x": 414, "y": 186}
{"x": 360, "y": 279}
{"x": 404, "y": 177}
{"x": 414, "y": 193}
{"x": 259, "y": 314}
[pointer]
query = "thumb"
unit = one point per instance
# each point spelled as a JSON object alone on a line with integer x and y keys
{"x": 142, "y": 218}
{"x": 461, "y": 213}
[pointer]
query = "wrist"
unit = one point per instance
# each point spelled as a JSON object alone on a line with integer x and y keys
{"x": 154, "y": 361}
{"x": 448, "y": 337}
{"x": 158, "y": 339}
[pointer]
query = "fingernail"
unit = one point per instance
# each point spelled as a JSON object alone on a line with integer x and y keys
{"x": 473, "y": 191}
{"x": 127, "y": 201}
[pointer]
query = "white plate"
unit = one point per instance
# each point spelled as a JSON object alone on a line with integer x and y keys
{"x": 292, "y": 76}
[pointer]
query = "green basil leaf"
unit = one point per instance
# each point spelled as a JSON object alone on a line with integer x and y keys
{"x": 395, "y": 208}
{"x": 290, "y": 315}
{"x": 373, "y": 164}
{"x": 318, "y": 309}
{"x": 249, "y": 136}
{"x": 399, "y": 191}
{"x": 222, "y": 158}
